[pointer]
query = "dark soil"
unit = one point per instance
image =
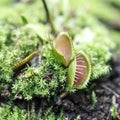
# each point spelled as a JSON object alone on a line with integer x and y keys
{"x": 80, "y": 102}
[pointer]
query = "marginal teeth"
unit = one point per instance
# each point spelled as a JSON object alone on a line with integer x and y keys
{"x": 76, "y": 78}
{"x": 78, "y": 55}
{"x": 75, "y": 81}
{"x": 78, "y": 72}
{"x": 80, "y": 60}
{"x": 79, "y": 69}
{"x": 81, "y": 66}
{"x": 77, "y": 75}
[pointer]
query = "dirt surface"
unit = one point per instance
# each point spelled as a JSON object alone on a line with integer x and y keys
{"x": 80, "y": 102}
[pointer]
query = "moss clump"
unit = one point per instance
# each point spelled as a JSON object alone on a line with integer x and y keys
{"x": 47, "y": 79}
{"x": 12, "y": 114}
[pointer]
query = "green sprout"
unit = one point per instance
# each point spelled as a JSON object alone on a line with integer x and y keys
{"x": 94, "y": 99}
{"x": 114, "y": 113}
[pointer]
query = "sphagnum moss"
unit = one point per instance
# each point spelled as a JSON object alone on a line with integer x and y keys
{"x": 46, "y": 80}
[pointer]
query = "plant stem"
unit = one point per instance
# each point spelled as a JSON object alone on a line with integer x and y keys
{"x": 49, "y": 18}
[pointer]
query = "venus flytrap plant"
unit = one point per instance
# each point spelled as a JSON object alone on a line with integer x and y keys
{"x": 79, "y": 66}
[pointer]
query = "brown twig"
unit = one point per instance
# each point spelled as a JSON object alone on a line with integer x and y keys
{"x": 113, "y": 92}
{"x": 62, "y": 95}
{"x": 109, "y": 116}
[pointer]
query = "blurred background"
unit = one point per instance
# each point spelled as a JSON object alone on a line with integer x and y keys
{"x": 105, "y": 11}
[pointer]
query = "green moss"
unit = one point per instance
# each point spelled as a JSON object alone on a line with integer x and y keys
{"x": 6, "y": 113}
{"x": 46, "y": 80}
{"x": 9, "y": 113}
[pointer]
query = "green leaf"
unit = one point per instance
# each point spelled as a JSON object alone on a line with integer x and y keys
{"x": 79, "y": 71}
{"x": 24, "y": 20}
{"x": 71, "y": 73}
{"x": 63, "y": 48}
